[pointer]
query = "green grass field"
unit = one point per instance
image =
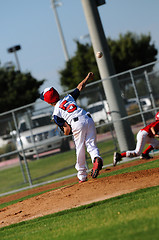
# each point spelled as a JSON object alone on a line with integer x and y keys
{"x": 48, "y": 168}
{"x": 133, "y": 216}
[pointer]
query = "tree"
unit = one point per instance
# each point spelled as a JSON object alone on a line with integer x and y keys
{"x": 78, "y": 66}
{"x": 129, "y": 51}
{"x": 17, "y": 89}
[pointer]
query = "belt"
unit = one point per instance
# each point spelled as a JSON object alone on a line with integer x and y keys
{"x": 77, "y": 118}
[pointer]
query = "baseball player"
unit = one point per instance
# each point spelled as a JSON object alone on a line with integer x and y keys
{"x": 146, "y": 135}
{"x": 73, "y": 119}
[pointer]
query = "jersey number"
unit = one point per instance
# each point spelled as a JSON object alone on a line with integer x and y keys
{"x": 70, "y": 108}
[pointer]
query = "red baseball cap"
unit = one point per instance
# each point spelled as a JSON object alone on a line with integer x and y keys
{"x": 50, "y": 95}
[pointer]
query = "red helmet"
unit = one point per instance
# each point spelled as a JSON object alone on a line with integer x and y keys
{"x": 50, "y": 95}
{"x": 157, "y": 116}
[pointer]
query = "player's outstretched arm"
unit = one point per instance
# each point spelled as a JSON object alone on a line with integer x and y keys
{"x": 82, "y": 84}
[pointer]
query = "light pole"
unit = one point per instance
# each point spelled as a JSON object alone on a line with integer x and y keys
{"x": 14, "y": 49}
{"x": 55, "y": 4}
{"x": 106, "y": 69}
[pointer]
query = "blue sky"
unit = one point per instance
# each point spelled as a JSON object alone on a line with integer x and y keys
{"x": 31, "y": 23}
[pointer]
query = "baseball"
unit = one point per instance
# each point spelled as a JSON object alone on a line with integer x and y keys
{"x": 99, "y": 54}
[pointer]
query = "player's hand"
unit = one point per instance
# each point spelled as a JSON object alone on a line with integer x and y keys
{"x": 90, "y": 76}
{"x": 82, "y": 84}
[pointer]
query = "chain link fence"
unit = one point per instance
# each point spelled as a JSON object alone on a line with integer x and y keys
{"x": 28, "y": 136}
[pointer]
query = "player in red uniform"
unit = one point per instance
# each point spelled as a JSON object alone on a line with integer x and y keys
{"x": 146, "y": 135}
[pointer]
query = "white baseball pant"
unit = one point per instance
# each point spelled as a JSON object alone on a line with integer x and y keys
{"x": 84, "y": 133}
{"x": 142, "y": 140}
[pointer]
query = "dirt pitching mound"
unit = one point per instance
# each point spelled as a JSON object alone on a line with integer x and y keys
{"x": 74, "y": 195}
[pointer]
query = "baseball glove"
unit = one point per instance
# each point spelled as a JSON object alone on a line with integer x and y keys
{"x": 62, "y": 129}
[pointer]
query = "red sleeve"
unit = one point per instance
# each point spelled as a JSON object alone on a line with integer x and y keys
{"x": 155, "y": 125}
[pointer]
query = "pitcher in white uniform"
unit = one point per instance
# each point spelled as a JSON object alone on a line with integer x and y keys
{"x": 67, "y": 113}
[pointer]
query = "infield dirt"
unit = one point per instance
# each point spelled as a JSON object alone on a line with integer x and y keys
{"x": 73, "y": 194}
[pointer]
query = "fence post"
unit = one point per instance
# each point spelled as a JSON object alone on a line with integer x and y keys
{"x": 150, "y": 91}
{"x": 137, "y": 97}
{"x": 25, "y": 161}
{"x": 21, "y": 165}
{"x": 29, "y": 120}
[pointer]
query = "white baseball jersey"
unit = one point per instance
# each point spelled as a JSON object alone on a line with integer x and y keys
{"x": 83, "y": 128}
{"x": 67, "y": 109}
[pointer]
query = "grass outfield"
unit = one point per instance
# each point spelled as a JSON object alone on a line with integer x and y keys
{"x": 49, "y": 168}
{"x": 133, "y": 216}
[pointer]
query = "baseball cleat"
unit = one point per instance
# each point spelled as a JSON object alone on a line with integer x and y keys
{"x": 117, "y": 158}
{"x": 81, "y": 181}
{"x": 145, "y": 156}
{"x": 97, "y": 165}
